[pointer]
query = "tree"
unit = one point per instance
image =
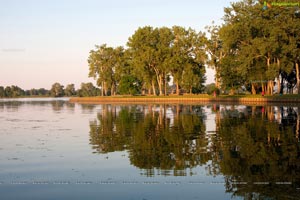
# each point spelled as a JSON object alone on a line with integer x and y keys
{"x": 215, "y": 52}
{"x": 187, "y": 53}
{"x": 42, "y": 92}
{"x": 259, "y": 42}
{"x": 262, "y": 42}
{"x": 16, "y": 91}
{"x": 104, "y": 63}
{"x": 8, "y": 91}
{"x": 129, "y": 85}
{"x": 2, "y": 92}
{"x": 33, "y": 92}
{"x": 70, "y": 90}
{"x": 211, "y": 88}
{"x": 158, "y": 53}
{"x": 88, "y": 90}
{"x": 144, "y": 53}
{"x": 57, "y": 90}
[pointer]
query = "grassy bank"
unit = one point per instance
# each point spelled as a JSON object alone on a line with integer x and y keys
{"x": 190, "y": 98}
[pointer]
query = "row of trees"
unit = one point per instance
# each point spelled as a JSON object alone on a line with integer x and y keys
{"x": 57, "y": 90}
{"x": 154, "y": 56}
{"x": 257, "y": 47}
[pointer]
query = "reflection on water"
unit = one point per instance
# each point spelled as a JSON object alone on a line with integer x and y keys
{"x": 167, "y": 138}
{"x": 260, "y": 145}
{"x": 252, "y": 151}
{"x": 255, "y": 148}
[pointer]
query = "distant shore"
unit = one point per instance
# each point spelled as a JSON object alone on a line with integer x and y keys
{"x": 190, "y": 99}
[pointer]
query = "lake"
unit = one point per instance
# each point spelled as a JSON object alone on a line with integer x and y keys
{"x": 53, "y": 149}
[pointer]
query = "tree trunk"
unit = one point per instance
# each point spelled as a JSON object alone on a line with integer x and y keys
{"x": 143, "y": 89}
{"x": 263, "y": 88}
{"x": 105, "y": 89}
{"x": 112, "y": 92}
{"x": 217, "y": 81}
{"x": 297, "y": 76}
{"x": 153, "y": 87}
{"x": 270, "y": 86}
{"x": 278, "y": 84}
{"x": 165, "y": 84}
{"x": 253, "y": 91}
{"x": 102, "y": 88}
{"x": 160, "y": 82}
{"x": 268, "y": 65}
{"x": 217, "y": 84}
{"x": 298, "y": 124}
{"x": 177, "y": 87}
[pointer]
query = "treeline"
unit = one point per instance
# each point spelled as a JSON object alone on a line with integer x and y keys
{"x": 57, "y": 90}
{"x": 154, "y": 57}
{"x": 257, "y": 49}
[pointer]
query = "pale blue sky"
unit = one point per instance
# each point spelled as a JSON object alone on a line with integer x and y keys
{"x": 47, "y": 41}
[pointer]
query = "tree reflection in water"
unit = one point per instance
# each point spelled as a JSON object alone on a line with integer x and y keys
{"x": 255, "y": 148}
{"x": 259, "y": 146}
{"x": 163, "y": 137}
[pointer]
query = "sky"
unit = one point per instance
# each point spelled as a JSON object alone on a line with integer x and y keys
{"x": 48, "y": 41}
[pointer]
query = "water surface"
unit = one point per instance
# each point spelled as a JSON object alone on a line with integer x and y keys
{"x": 53, "y": 149}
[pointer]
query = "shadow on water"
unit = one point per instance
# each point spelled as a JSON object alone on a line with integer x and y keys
{"x": 255, "y": 148}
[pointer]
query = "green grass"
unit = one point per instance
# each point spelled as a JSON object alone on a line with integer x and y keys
{"x": 285, "y": 96}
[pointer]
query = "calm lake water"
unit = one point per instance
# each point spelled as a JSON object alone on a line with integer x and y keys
{"x": 53, "y": 149}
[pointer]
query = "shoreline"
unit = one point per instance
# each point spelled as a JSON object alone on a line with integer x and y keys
{"x": 190, "y": 99}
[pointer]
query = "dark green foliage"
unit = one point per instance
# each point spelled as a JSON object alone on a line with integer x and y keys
{"x": 57, "y": 90}
{"x": 211, "y": 88}
{"x": 154, "y": 55}
{"x": 259, "y": 46}
{"x": 70, "y": 90}
{"x": 11, "y": 91}
{"x": 2, "y": 92}
{"x": 129, "y": 85}
{"x": 88, "y": 90}
{"x": 8, "y": 92}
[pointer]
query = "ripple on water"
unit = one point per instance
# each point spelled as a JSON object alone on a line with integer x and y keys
{"x": 37, "y": 120}
{"x": 14, "y": 120}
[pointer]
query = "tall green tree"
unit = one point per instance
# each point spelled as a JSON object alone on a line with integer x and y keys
{"x": 104, "y": 63}
{"x": 262, "y": 42}
{"x": 215, "y": 51}
{"x": 159, "y": 53}
{"x": 186, "y": 64}
{"x": 145, "y": 56}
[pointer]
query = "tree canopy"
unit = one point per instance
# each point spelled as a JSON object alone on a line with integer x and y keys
{"x": 153, "y": 56}
{"x": 260, "y": 47}
{"x": 257, "y": 48}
